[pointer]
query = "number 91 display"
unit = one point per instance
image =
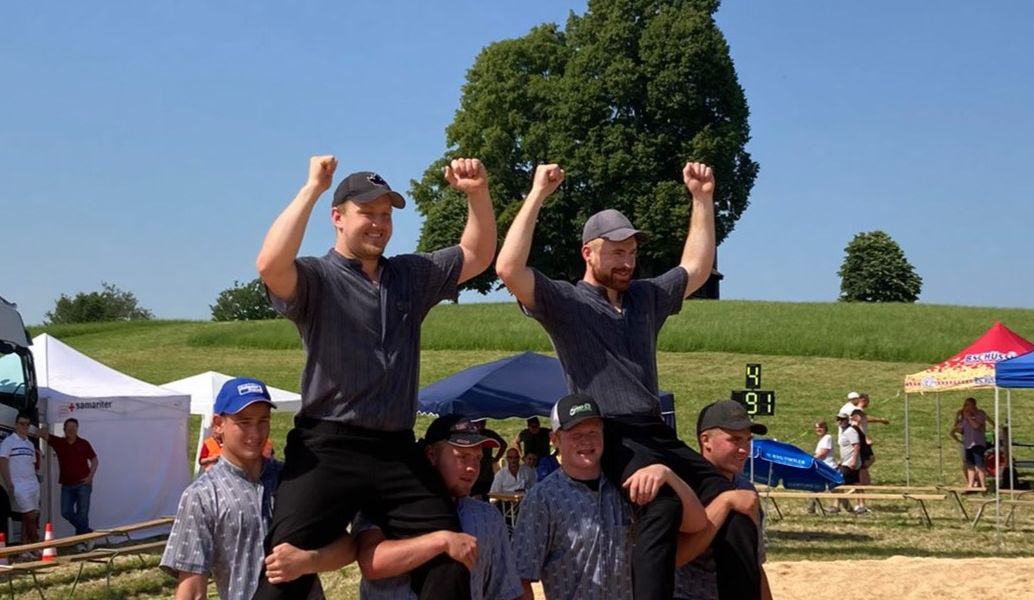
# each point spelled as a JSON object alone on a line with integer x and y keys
{"x": 757, "y": 401}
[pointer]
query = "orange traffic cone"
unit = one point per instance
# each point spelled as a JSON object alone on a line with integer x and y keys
{"x": 48, "y": 535}
{"x": 3, "y": 544}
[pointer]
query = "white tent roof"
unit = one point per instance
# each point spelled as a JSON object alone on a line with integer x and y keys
{"x": 204, "y": 387}
{"x": 65, "y": 371}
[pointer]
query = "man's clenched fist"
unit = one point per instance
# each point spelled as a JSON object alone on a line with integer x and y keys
{"x": 699, "y": 179}
{"x": 547, "y": 179}
{"x": 467, "y": 175}
{"x": 321, "y": 171}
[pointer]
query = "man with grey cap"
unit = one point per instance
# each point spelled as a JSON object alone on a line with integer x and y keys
{"x": 359, "y": 315}
{"x": 724, "y": 432}
{"x": 604, "y": 329}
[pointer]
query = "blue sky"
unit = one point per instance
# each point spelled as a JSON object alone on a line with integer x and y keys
{"x": 150, "y": 145}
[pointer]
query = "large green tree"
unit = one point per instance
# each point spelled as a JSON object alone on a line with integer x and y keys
{"x": 109, "y": 304}
{"x": 875, "y": 270}
{"x": 621, "y": 98}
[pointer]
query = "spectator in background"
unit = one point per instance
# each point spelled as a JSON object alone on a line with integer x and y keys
{"x": 974, "y": 443}
{"x": 77, "y": 464}
{"x": 546, "y": 465}
{"x": 514, "y": 477}
{"x": 489, "y": 459}
{"x": 824, "y": 452}
{"x": 533, "y": 439}
{"x": 18, "y": 470}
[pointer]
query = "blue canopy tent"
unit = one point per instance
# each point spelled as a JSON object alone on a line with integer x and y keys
{"x": 523, "y": 385}
{"x": 1010, "y": 374}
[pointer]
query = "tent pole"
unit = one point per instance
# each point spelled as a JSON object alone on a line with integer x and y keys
{"x": 940, "y": 439}
{"x": 998, "y": 480}
{"x": 1008, "y": 442}
{"x": 908, "y": 455}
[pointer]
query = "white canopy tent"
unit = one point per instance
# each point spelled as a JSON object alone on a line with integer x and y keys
{"x": 138, "y": 430}
{"x": 204, "y": 387}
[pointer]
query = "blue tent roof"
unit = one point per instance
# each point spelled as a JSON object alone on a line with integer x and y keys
{"x": 523, "y": 385}
{"x": 1017, "y": 372}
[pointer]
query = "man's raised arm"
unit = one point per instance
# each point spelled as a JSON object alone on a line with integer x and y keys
{"x": 512, "y": 264}
{"x": 698, "y": 253}
{"x": 275, "y": 261}
{"x": 479, "y": 237}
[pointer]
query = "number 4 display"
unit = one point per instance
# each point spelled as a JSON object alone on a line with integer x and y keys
{"x": 758, "y": 402}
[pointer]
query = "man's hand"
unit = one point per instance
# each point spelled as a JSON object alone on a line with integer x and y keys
{"x": 467, "y": 175}
{"x": 88, "y": 480}
{"x": 287, "y": 563}
{"x": 699, "y": 180}
{"x": 644, "y": 484}
{"x": 321, "y": 172}
{"x": 547, "y": 179}
{"x": 746, "y": 502}
{"x": 461, "y": 547}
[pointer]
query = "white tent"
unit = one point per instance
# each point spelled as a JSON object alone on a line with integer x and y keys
{"x": 204, "y": 387}
{"x": 138, "y": 430}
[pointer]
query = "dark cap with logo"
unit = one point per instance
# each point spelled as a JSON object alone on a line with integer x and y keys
{"x": 611, "y": 225}
{"x": 366, "y": 186}
{"x": 458, "y": 431}
{"x": 727, "y": 414}
{"x": 572, "y": 410}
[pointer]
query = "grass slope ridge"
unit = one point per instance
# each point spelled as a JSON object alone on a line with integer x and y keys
{"x": 881, "y": 332}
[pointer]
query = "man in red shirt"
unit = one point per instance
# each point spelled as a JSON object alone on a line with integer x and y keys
{"x": 77, "y": 463}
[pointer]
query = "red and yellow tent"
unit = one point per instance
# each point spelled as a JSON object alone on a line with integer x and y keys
{"x": 972, "y": 368}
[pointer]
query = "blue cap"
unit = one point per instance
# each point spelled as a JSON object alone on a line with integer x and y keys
{"x": 240, "y": 393}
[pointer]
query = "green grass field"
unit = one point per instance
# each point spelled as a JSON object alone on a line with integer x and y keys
{"x": 813, "y": 354}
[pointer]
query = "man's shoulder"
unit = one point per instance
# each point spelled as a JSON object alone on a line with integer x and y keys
{"x": 480, "y": 510}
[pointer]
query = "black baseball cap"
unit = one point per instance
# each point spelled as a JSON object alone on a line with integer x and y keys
{"x": 366, "y": 186}
{"x": 611, "y": 225}
{"x": 572, "y": 410}
{"x": 458, "y": 431}
{"x": 727, "y": 414}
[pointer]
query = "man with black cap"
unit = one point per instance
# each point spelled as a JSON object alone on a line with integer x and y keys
{"x": 359, "y": 317}
{"x": 724, "y": 432}
{"x": 572, "y": 532}
{"x": 604, "y": 329}
{"x": 453, "y": 446}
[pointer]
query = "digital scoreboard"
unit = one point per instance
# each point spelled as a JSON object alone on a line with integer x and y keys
{"x": 757, "y": 401}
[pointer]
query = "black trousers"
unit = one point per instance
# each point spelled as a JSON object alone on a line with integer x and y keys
{"x": 631, "y": 443}
{"x": 332, "y": 471}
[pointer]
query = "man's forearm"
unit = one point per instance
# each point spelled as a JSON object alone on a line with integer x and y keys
{"x": 479, "y": 235}
{"x": 284, "y": 238}
{"x": 390, "y": 558}
{"x": 516, "y": 247}
{"x": 691, "y": 546}
{"x": 698, "y": 252}
{"x": 694, "y": 517}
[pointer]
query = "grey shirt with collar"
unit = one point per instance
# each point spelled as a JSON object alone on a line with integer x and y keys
{"x": 493, "y": 577}
{"x": 607, "y": 354}
{"x": 220, "y": 527}
{"x": 362, "y": 339}
{"x": 575, "y": 540}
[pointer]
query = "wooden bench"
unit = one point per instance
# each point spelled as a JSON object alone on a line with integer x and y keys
{"x": 1014, "y": 502}
{"x": 920, "y": 499}
{"x": 104, "y": 556}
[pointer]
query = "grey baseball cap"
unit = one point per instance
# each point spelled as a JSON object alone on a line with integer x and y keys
{"x": 366, "y": 186}
{"x": 611, "y": 225}
{"x": 572, "y": 410}
{"x": 727, "y": 414}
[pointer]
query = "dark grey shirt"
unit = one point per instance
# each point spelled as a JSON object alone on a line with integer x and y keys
{"x": 220, "y": 526}
{"x": 576, "y": 541}
{"x": 698, "y": 579}
{"x": 610, "y": 355}
{"x": 362, "y": 340}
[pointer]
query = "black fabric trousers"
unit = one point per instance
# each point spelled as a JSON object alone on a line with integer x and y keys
{"x": 332, "y": 471}
{"x": 633, "y": 442}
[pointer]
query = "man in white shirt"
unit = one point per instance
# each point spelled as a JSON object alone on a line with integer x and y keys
{"x": 516, "y": 477}
{"x": 18, "y": 471}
